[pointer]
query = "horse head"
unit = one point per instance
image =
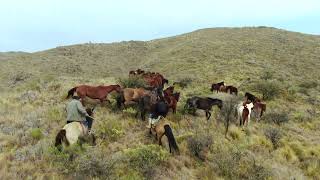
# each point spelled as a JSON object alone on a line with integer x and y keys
{"x": 117, "y": 88}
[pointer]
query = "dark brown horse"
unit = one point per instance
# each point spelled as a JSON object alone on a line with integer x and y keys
{"x": 94, "y": 92}
{"x": 217, "y": 86}
{"x": 204, "y": 103}
{"x": 232, "y": 90}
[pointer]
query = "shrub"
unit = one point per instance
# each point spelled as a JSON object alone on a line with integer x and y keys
{"x": 146, "y": 157}
{"x": 276, "y": 117}
{"x": 111, "y": 130}
{"x": 274, "y": 136}
{"x": 227, "y": 112}
{"x": 197, "y": 145}
{"x": 183, "y": 83}
{"x": 132, "y": 82}
{"x": 94, "y": 164}
{"x": 36, "y": 134}
{"x": 267, "y": 75}
{"x": 232, "y": 163}
{"x": 268, "y": 89}
{"x": 308, "y": 84}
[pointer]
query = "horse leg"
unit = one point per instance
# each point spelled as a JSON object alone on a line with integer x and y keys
{"x": 209, "y": 115}
{"x": 159, "y": 139}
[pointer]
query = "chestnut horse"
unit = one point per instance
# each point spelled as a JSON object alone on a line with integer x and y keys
{"x": 94, "y": 92}
{"x": 172, "y": 101}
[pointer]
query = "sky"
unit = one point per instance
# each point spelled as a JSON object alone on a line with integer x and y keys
{"x": 35, "y": 25}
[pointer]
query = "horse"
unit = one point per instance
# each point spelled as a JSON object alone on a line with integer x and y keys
{"x": 172, "y": 101}
{"x": 259, "y": 107}
{"x": 244, "y": 112}
{"x": 156, "y": 107}
{"x": 130, "y": 96}
{"x": 163, "y": 128}
{"x": 216, "y": 86}
{"x": 94, "y": 92}
{"x": 204, "y": 103}
{"x": 232, "y": 90}
{"x": 168, "y": 91}
{"x": 74, "y": 132}
{"x": 251, "y": 97}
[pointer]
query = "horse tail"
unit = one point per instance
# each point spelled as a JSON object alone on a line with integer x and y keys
{"x": 172, "y": 141}
{"x": 71, "y": 91}
{"x": 61, "y": 136}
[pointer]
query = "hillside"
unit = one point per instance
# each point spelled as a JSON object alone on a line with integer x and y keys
{"x": 32, "y": 100}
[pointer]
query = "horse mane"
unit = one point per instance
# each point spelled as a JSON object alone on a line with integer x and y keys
{"x": 213, "y": 99}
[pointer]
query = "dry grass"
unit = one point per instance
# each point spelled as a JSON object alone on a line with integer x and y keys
{"x": 32, "y": 101}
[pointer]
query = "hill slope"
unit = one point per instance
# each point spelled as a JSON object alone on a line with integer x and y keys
{"x": 33, "y": 88}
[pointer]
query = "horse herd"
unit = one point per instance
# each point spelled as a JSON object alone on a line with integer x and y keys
{"x": 157, "y": 101}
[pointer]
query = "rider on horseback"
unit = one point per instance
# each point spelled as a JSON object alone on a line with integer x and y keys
{"x": 76, "y": 112}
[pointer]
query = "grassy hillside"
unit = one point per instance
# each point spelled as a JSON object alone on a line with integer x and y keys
{"x": 33, "y": 87}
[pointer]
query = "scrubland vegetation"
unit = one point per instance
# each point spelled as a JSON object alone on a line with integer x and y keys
{"x": 279, "y": 66}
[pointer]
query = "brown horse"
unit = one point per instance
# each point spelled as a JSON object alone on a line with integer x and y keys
{"x": 259, "y": 107}
{"x": 163, "y": 128}
{"x": 232, "y": 90}
{"x": 168, "y": 91}
{"x": 172, "y": 101}
{"x": 217, "y": 86}
{"x": 130, "y": 96}
{"x": 94, "y": 92}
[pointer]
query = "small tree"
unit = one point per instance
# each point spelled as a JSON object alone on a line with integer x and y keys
{"x": 268, "y": 89}
{"x": 228, "y": 112}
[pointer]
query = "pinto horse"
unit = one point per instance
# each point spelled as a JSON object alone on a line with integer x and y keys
{"x": 94, "y": 92}
{"x": 163, "y": 128}
{"x": 244, "y": 112}
{"x": 204, "y": 103}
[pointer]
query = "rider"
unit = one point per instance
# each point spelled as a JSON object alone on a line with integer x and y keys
{"x": 76, "y": 112}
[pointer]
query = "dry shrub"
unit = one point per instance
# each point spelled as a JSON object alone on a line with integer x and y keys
{"x": 199, "y": 144}
{"x": 274, "y": 135}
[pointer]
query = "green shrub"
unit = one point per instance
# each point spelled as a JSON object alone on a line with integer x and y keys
{"x": 308, "y": 84}
{"x": 227, "y": 112}
{"x": 276, "y": 117}
{"x": 36, "y": 133}
{"x": 110, "y": 130}
{"x": 267, "y": 75}
{"x": 232, "y": 163}
{"x": 268, "y": 89}
{"x": 132, "y": 82}
{"x": 274, "y": 136}
{"x": 146, "y": 157}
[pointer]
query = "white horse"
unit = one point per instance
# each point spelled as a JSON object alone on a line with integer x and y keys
{"x": 74, "y": 132}
{"x": 244, "y": 112}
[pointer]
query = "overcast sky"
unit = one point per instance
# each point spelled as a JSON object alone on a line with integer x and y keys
{"x": 33, "y": 25}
